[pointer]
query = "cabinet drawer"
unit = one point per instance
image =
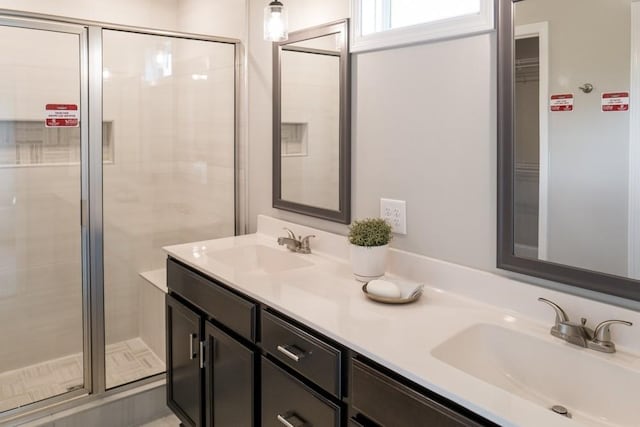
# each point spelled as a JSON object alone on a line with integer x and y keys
{"x": 231, "y": 310}
{"x": 306, "y": 354}
{"x": 392, "y": 404}
{"x": 287, "y": 402}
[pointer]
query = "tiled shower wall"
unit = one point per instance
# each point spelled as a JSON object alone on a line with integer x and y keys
{"x": 171, "y": 181}
{"x": 40, "y": 282}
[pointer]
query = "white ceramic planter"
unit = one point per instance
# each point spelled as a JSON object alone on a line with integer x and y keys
{"x": 368, "y": 262}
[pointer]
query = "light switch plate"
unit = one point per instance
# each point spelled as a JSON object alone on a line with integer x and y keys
{"x": 395, "y": 212}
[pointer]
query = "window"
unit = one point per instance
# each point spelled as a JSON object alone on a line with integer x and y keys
{"x": 385, "y": 23}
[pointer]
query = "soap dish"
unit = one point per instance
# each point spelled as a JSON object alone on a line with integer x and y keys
{"x": 388, "y": 300}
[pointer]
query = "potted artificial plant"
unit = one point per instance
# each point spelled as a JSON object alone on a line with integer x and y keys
{"x": 369, "y": 240}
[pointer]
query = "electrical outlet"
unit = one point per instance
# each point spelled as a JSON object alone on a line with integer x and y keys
{"x": 395, "y": 212}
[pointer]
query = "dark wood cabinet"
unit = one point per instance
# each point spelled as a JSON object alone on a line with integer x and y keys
{"x": 211, "y": 374}
{"x": 390, "y": 403}
{"x": 184, "y": 379}
{"x": 229, "y": 380}
{"x": 287, "y": 402}
{"x": 229, "y": 309}
{"x": 313, "y": 358}
{"x": 234, "y": 362}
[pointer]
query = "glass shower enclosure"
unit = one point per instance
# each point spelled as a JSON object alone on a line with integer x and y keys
{"x": 114, "y": 142}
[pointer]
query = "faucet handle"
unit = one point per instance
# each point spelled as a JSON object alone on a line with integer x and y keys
{"x": 602, "y": 332}
{"x": 304, "y": 244}
{"x": 561, "y": 316}
{"x": 291, "y": 233}
{"x": 305, "y": 239}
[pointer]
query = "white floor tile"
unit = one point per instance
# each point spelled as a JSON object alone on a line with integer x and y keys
{"x": 170, "y": 421}
{"x": 126, "y": 361}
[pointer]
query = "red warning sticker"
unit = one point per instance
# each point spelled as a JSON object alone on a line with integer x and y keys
{"x": 561, "y": 102}
{"x": 62, "y": 115}
{"x": 615, "y": 101}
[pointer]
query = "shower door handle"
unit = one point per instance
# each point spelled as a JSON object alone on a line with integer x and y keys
{"x": 192, "y": 354}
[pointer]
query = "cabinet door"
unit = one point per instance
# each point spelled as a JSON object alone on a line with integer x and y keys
{"x": 184, "y": 379}
{"x": 229, "y": 380}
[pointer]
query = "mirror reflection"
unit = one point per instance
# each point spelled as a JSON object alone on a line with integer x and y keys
{"x": 577, "y": 136}
{"x": 310, "y": 122}
{"x": 311, "y": 116}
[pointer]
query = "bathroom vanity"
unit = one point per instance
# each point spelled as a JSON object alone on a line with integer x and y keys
{"x": 235, "y": 361}
{"x": 259, "y": 335}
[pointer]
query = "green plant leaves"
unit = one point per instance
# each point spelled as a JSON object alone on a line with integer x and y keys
{"x": 370, "y": 232}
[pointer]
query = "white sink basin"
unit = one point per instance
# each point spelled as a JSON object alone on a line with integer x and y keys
{"x": 258, "y": 258}
{"x": 597, "y": 389}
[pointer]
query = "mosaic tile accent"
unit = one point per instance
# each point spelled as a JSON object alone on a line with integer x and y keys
{"x": 129, "y": 361}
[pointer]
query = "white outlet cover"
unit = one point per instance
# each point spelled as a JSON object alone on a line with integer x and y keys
{"x": 395, "y": 212}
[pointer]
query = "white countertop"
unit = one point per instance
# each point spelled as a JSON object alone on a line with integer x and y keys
{"x": 326, "y": 297}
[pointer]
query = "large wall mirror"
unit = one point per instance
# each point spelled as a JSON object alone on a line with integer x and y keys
{"x": 569, "y": 142}
{"x": 311, "y": 131}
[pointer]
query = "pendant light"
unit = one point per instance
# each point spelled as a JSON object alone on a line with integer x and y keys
{"x": 275, "y": 22}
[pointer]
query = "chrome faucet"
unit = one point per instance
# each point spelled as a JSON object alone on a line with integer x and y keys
{"x": 579, "y": 334}
{"x": 300, "y": 245}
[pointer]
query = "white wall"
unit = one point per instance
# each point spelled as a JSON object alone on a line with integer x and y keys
{"x": 424, "y": 130}
{"x": 144, "y": 13}
{"x": 406, "y": 135}
{"x": 224, "y": 18}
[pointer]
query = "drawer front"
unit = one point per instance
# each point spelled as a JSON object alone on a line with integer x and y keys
{"x": 392, "y": 404}
{"x": 306, "y": 354}
{"x": 231, "y": 310}
{"x": 286, "y": 402}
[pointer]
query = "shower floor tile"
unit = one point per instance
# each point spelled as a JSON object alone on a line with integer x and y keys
{"x": 129, "y": 361}
{"x": 126, "y": 361}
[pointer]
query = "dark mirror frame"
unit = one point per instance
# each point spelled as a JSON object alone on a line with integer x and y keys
{"x": 343, "y": 214}
{"x": 600, "y": 282}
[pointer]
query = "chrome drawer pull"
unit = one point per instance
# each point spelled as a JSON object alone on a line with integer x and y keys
{"x": 201, "y": 354}
{"x": 192, "y": 354}
{"x": 291, "y": 420}
{"x": 292, "y": 352}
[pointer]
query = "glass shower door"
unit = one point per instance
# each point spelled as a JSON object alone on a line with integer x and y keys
{"x": 169, "y": 178}
{"x": 42, "y": 143}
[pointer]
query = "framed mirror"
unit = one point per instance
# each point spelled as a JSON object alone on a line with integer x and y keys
{"x": 311, "y": 128}
{"x": 569, "y": 142}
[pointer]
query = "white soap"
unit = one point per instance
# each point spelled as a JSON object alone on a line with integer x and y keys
{"x": 383, "y": 288}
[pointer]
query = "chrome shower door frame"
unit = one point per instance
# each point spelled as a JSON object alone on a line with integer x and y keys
{"x": 91, "y": 103}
